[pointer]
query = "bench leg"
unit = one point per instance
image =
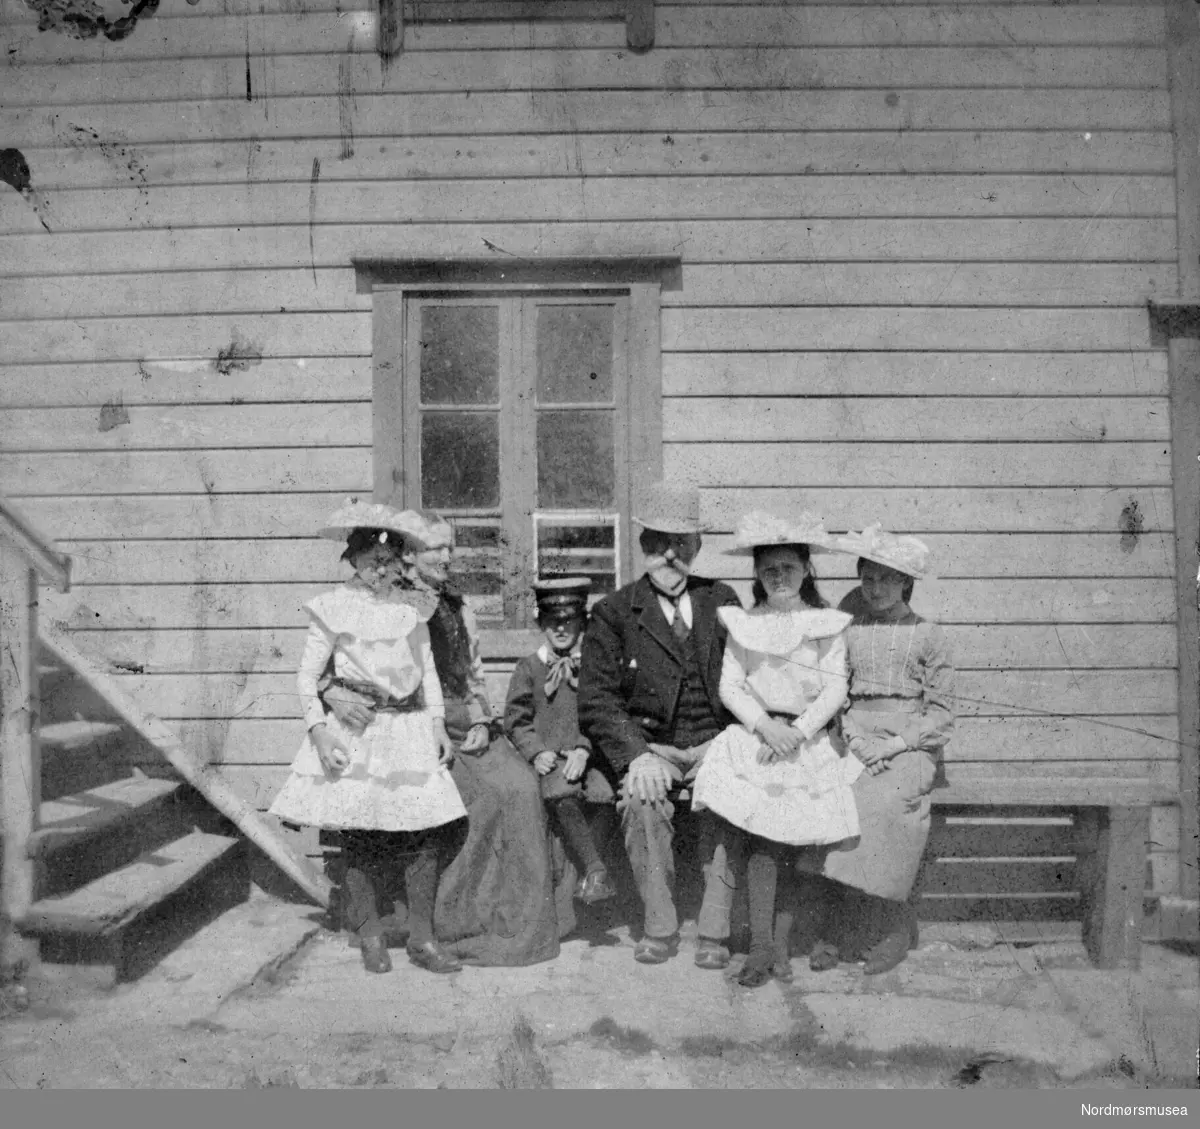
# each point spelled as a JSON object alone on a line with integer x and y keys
{"x": 1112, "y": 873}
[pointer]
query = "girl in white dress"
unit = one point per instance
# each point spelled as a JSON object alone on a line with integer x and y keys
{"x": 777, "y": 781}
{"x": 388, "y": 789}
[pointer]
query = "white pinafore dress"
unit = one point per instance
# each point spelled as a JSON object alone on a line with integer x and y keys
{"x": 393, "y": 781}
{"x": 790, "y": 663}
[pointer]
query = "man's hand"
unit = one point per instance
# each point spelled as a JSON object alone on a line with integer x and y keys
{"x": 649, "y": 779}
{"x": 477, "y": 739}
{"x": 544, "y": 762}
{"x": 576, "y": 766}
{"x": 780, "y": 738}
{"x": 331, "y": 751}
{"x": 352, "y": 709}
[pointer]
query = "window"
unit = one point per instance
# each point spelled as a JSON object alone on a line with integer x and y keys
{"x": 523, "y": 411}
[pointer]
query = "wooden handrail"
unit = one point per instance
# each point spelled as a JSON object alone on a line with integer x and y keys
{"x": 211, "y": 785}
{"x": 54, "y": 568}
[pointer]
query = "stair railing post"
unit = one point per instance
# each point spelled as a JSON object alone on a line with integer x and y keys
{"x": 20, "y": 763}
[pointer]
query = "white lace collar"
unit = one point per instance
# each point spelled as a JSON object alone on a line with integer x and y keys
{"x": 781, "y": 633}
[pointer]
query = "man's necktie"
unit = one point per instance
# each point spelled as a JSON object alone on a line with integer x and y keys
{"x": 678, "y": 624}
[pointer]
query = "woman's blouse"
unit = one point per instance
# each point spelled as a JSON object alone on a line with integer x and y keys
{"x": 784, "y": 662}
{"x": 901, "y": 655}
{"x": 371, "y": 640}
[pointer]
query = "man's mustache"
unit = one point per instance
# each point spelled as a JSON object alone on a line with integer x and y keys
{"x": 659, "y": 560}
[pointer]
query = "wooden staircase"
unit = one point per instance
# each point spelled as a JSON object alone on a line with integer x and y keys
{"x": 116, "y": 844}
{"x": 125, "y": 863}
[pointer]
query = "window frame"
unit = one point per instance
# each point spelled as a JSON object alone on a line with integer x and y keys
{"x": 394, "y": 284}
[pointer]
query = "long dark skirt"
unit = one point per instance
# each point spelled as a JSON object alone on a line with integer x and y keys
{"x": 501, "y": 898}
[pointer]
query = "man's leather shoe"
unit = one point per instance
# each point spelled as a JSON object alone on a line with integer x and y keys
{"x": 433, "y": 958}
{"x": 375, "y": 955}
{"x": 655, "y": 950}
{"x": 711, "y": 954}
{"x": 595, "y": 887}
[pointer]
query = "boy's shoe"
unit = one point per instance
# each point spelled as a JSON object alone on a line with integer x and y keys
{"x": 655, "y": 950}
{"x": 595, "y": 887}
{"x": 375, "y": 955}
{"x": 711, "y": 954}
{"x": 433, "y": 958}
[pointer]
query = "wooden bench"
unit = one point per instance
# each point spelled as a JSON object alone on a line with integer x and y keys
{"x": 1111, "y": 828}
{"x": 1111, "y": 818}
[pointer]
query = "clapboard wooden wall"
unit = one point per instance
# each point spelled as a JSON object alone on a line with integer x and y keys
{"x": 917, "y": 241}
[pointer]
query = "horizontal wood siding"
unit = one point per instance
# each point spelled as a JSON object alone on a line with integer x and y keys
{"x": 917, "y": 240}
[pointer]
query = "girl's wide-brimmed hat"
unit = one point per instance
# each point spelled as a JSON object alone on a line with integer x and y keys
{"x": 669, "y": 509}
{"x": 759, "y": 530}
{"x": 908, "y": 555}
{"x": 373, "y": 515}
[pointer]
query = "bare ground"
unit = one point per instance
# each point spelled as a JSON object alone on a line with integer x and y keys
{"x": 315, "y": 1020}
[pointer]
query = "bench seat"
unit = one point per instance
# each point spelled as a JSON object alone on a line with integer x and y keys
{"x": 1112, "y": 826}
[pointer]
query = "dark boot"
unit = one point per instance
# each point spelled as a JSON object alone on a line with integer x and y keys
{"x": 374, "y": 953}
{"x": 888, "y": 953}
{"x": 758, "y": 969}
{"x": 824, "y": 956}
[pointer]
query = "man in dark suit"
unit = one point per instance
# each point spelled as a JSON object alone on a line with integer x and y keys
{"x": 649, "y": 702}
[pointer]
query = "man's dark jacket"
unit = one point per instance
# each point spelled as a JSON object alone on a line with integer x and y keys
{"x": 632, "y": 668}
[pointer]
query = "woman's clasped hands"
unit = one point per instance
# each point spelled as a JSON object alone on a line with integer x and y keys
{"x": 780, "y": 740}
{"x": 875, "y": 752}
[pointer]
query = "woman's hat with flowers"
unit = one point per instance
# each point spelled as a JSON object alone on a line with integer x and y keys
{"x": 759, "y": 529}
{"x": 373, "y": 515}
{"x": 908, "y": 555}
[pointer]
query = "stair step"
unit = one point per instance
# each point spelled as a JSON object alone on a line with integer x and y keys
{"x": 75, "y": 736}
{"x": 72, "y": 820}
{"x": 104, "y": 907}
{"x": 80, "y": 755}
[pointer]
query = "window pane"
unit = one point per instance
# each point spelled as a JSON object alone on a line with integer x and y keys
{"x": 575, "y": 460}
{"x": 579, "y": 550}
{"x": 460, "y": 460}
{"x": 477, "y": 566}
{"x": 460, "y": 354}
{"x": 574, "y": 354}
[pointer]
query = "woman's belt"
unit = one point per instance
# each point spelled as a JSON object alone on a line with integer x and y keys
{"x": 782, "y": 715}
{"x": 381, "y": 700}
{"x": 886, "y": 703}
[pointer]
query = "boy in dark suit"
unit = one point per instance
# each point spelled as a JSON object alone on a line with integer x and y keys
{"x": 541, "y": 719}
